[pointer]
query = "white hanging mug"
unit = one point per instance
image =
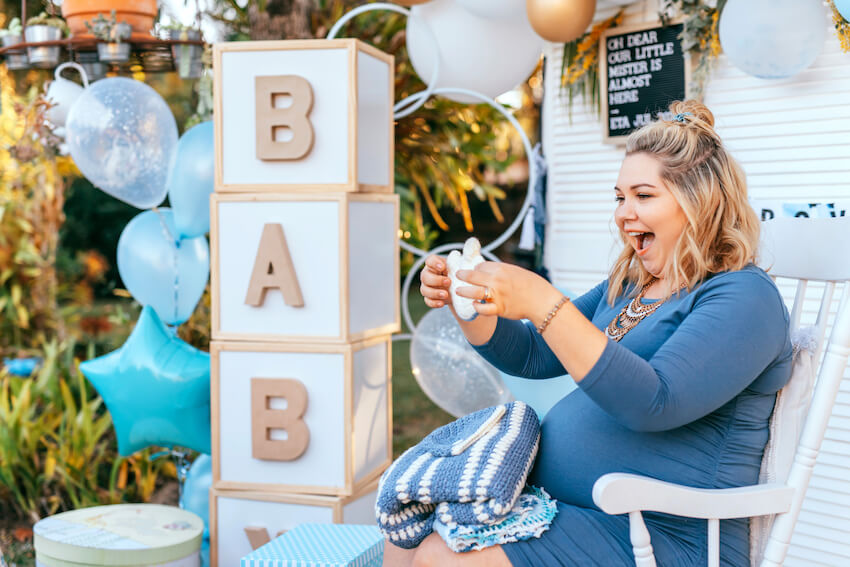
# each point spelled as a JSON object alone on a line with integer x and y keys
{"x": 62, "y": 93}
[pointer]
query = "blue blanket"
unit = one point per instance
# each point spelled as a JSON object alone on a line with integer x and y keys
{"x": 470, "y": 472}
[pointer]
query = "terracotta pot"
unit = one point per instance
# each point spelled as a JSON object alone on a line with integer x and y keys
{"x": 139, "y": 14}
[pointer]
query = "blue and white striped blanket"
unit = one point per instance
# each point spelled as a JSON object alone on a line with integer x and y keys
{"x": 469, "y": 472}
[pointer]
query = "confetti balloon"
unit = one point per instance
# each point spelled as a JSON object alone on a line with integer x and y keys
{"x": 449, "y": 370}
{"x": 123, "y": 137}
{"x": 772, "y": 39}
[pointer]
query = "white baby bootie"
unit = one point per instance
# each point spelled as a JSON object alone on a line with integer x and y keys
{"x": 470, "y": 258}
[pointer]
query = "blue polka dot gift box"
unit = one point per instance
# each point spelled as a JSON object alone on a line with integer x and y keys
{"x": 321, "y": 545}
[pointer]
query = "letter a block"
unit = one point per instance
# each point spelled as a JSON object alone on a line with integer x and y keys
{"x": 308, "y": 419}
{"x": 319, "y": 268}
{"x": 303, "y": 116}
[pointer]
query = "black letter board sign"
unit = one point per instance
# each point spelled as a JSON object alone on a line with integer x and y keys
{"x": 641, "y": 71}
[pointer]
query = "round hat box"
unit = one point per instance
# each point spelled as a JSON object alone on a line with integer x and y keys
{"x": 137, "y": 535}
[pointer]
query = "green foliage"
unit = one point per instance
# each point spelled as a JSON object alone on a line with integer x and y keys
{"x": 109, "y": 29}
{"x": 51, "y": 21}
{"x": 57, "y": 447}
{"x": 31, "y": 200}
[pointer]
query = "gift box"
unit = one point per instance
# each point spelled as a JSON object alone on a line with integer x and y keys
{"x": 321, "y": 545}
{"x": 121, "y": 534}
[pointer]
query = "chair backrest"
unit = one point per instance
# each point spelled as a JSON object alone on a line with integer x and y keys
{"x": 810, "y": 251}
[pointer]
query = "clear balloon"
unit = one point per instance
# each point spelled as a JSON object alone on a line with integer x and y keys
{"x": 196, "y": 490}
{"x": 123, "y": 137}
{"x": 772, "y": 39}
{"x": 192, "y": 181}
{"x": 496, "y": 9}
{"x": 156, "y": 388}
{"x": 484, "y": 55}
{"x": 160, "y": 270}
{"x": 449, "y": 370}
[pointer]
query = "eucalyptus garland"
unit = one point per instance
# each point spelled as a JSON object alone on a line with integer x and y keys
{"x": 699, "y": 36}
{"x": 842, "y": 27}
{"x": 580, "y": 64}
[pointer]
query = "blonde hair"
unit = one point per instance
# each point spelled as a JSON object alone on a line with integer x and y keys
{"x": 722, "y": 229}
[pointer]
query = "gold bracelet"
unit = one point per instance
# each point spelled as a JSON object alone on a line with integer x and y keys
{"x": 542, "y": 326}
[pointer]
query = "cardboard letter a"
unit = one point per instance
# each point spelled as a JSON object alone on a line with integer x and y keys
{"x": 273, "y": 268}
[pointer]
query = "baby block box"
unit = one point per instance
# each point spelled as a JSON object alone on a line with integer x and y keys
{"x": 300, "y": 418}
{"x": 244, "y": 521}
{"x": 303, "y": 116}
{"x": 318, "y": 268}
{"x": 321, "y": 546}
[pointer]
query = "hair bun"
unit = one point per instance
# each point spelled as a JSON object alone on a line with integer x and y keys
{"x": 699, "y": 111}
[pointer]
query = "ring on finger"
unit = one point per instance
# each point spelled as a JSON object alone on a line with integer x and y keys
{"x": 488, "y": 295}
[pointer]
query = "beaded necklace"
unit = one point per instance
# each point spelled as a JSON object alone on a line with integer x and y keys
{"x": 633, "y": 313}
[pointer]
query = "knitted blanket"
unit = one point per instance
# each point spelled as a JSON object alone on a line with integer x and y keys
{"x": 470, "y": 472}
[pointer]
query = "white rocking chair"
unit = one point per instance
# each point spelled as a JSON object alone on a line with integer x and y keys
{"x": 805, "y": 250}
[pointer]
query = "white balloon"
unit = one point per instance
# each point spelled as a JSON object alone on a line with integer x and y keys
{"x": 773, "y": 39}
{"x": 495, "y": 9}
{"x": 448, "y": 369}
{"x": 484, "y": 55}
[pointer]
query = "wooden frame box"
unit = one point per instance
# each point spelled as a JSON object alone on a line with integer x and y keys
{"x": 343, "y": 253}
{"x": 347, "y": 416}
{"x": 331, "y": 98}
{"x": 266, "y": 515}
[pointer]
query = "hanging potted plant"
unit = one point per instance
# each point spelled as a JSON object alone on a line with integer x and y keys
{"x": 14, "y": 35}
{"x": 140, "y": 14}
{"x": 187, "y": 57}
{"x": 112, "y": 36}
{"x": 44, "y": 28}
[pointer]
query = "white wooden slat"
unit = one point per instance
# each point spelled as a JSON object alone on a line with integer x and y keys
{"x": 814, "y": 552}
{"x": 836, "y": 538}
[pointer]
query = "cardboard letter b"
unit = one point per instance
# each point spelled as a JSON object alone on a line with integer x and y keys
{"x": 264, "y": 419}
{"x": 270, "y": 118}
{"x": 273, "y": 268}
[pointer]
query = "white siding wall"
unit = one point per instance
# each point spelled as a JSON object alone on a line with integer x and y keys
{"x": 792, "y": 137}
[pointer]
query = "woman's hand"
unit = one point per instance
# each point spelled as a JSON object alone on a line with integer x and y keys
{"x": 435, "y": 282}
{"x": 515, "y": 293}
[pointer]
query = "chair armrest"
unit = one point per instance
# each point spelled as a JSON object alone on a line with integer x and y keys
{"x": 620, "y": 493}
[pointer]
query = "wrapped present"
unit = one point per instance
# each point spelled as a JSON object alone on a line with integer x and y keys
{"x": 321, "y": 545}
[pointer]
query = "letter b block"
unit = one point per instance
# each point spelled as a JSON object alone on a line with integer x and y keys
{"x": 309, "y": 419}
{"x": 303, "y": 116}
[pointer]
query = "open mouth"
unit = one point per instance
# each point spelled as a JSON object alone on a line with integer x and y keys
{"x": 643, "y": 240}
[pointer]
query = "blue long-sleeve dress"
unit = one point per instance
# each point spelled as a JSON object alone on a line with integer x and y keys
{"x": 684, "y": 397}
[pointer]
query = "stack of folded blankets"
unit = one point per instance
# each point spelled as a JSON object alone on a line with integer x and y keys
{"x": 466, "y": 474}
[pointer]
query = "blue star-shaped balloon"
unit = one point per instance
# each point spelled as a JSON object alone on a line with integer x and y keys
{"x": 156, "y": 387}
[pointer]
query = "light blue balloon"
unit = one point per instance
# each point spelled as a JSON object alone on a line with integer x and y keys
{"x": 156, "y": 387}
{"x": 192, "y": 181}
{"x": 843, "y": 7}
{"x": 541, "y": 394}
{"x": 196, "y": 490}
{"x": 123, "y": 138}
{"x": 773, "y": 39}
{"x": 160, "y": 270}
